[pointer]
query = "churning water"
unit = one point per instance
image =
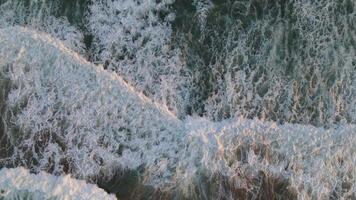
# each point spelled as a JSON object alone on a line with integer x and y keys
{"x": 201, "y": 99}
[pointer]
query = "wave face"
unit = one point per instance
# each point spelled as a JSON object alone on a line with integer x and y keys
{"x": 198, "y": 99}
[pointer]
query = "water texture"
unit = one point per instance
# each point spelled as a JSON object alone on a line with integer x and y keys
{"x": 203, "y": 99}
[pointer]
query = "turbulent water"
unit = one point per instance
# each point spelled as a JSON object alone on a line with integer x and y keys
{"x": 20, "y": 184}
{"x": 203, "y": 99}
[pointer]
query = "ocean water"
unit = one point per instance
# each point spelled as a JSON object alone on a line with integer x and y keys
{"x": 20, "y": 184}
{"x": 203, "y": 99}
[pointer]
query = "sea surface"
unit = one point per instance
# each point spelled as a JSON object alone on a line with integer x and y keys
{"x": 178, "y": 99}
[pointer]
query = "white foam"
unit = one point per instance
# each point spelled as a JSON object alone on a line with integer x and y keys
{"x": 71, "y": 113}
{"x": 39, "y": 15}
{"x": 291, "y": 61}
{"x": 317, "y": 162}
{"x": 14, "y": 182}
{"x": 82, "y": 115}
{"x": 136, "y": 42}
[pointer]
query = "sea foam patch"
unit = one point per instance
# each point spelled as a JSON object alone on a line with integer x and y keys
{"x": 19, "y": 183}
{"x": 64, "y": 115}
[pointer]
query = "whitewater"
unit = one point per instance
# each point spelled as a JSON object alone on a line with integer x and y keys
{"x": 141, "y": 104}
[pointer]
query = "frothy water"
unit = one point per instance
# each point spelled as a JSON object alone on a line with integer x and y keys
{"x": 181, "y": 100}
{"x": 44, "y": 16}
{"x": 18, "y": 183}
{"x": 64, "y": 115}
{"x": 285, "y": 61}
{"x": 70, "y": 116}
